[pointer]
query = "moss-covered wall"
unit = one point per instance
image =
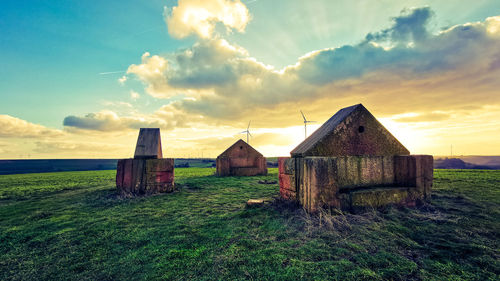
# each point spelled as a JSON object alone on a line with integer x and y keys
{"x": 333, "y": 181}
{"x": 360, "y": 134}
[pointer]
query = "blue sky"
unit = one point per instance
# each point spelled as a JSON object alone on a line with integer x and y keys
{"x": 56, "y": 58}
{"x": 53, "y": 51}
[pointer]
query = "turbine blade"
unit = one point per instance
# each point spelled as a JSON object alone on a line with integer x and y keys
{"x": 249, "y": 124}
{"x": 303, "y": 116}
{"x": 250, "y": 134}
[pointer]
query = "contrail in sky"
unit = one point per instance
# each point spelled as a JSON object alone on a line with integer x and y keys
{"x": 111, "y": 72}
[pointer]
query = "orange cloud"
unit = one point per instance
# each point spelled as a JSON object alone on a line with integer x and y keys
{"x": 13, "y": 127}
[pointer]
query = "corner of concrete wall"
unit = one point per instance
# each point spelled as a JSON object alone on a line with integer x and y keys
{"x": 222, "y": 167}
{"x": 415, "y": 171}
{"x": 319, "y": 186}
{"x": 286, "y": 176}
{"x": 262, "y": 165}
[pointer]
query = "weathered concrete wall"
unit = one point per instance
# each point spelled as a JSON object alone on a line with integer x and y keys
{"x": 241, "y": 166}
{"x": 349, "y": 182}
{"x": 286, "y": 175}
{"x": 240, "y": 159}
{"x": 148, "y": 144}
{"x": 377, "y": 197}
{"x": 362, "y": 171}
{"x": 415, "y": 171}
{"x": 318, "y": 187}
{"x": 145, "y": 176}
{"x": 357, "y": 134}
{"x": 223, "y": 166}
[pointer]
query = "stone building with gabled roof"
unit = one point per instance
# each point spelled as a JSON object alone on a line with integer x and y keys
{"x": 352, "y": 161}
{"x": 241, "y": 159}
{"x": 352, "y": 131}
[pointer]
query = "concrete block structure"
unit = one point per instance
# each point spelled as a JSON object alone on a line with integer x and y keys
{"x": 240, "y": 159}
{"x": 148, "y": 172}
{"x": 353, "y": 162}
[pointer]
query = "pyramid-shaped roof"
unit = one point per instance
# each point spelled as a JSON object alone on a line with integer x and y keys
{"x": 351, "y": 131}
{"x": 240, "y": 149}
{"x": 148, "y": 144}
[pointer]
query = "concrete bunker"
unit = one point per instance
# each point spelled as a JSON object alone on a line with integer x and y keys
{"x": 148, "y": 172}
{"x": 241, "y": 159}
{"x": 352, "y": 161}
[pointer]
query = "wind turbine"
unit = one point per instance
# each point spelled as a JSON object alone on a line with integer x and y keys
{"x": 305, "y": 124}
{"x": 247, "y": 130}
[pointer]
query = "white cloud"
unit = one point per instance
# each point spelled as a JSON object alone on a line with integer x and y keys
{"x": 436, "y": 71}
{"x": 118, "y": 104}
{"x": 12, "y": 127}
{"x": 134, "y": 95}
{"x": 432, "y": 78}
{"x": 200, "y": 17}
{"x": 122, "y": 79}
{"x": 166, "y": 118}
{"x": 151, "y": 71}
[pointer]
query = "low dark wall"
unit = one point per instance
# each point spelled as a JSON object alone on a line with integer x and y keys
{"x": 55, "y": 165}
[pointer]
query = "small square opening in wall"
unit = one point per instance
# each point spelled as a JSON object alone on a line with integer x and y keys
{"x": 361, "y": 129}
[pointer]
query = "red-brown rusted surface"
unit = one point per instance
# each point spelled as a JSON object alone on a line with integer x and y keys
{"x": 241, "y": 159}
{"x": 284, "y": 181}
{"x": 288, "y": 194}
{"x": 148, "y": 173}
{"x": 145, "y": 176}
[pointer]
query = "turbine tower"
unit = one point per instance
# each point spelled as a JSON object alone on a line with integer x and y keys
{"x": 305, "y": 124}
{"x": 247, "y": 131}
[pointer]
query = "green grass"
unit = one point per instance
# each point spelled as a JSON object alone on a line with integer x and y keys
{"x": 72, "y": 226}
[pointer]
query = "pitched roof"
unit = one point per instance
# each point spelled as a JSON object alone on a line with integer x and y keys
{"x": 240, "y": 145}
{"x": 148, "y": 144}
{"x": 351, "y": 131}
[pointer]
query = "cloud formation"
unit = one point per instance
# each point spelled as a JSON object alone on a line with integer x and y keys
{"x": 200, "y": 17}
{"x": 151, "y": 72}
{"x": 404, "y": 68}
{"x": 13, "y": 127}
{"x": 410, "y": 26}
{"x": 428, "y": 117}
{"x": 108, "y": 121}
{"x": 52, "y": 147}
{"x": 405, "y": 73}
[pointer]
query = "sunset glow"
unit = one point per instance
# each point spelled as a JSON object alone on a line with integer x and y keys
{"x": 78, "y": 81}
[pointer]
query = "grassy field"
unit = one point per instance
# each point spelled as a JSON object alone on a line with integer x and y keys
{"x": 72, "y": 226}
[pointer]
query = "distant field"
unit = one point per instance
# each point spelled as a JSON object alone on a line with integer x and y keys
{"x": 8, "y": 167}
{"x": 72, "y": 226}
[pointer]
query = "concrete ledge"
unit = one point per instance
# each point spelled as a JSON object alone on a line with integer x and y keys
{"x": 380, "y": 196}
